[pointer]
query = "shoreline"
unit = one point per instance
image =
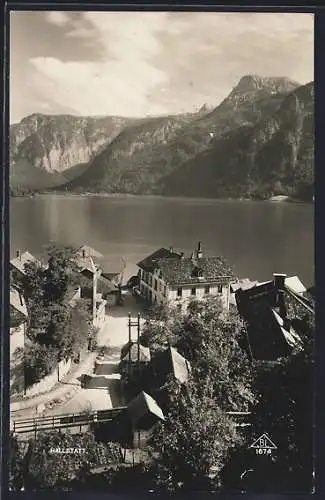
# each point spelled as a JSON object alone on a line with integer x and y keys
{"x": 280, "y": 199}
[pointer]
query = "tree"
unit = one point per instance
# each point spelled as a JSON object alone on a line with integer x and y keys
{"x": 210, "y": 338}
{"x": 63, "y": 272}
{"x": 54, "y": 322}
{"x": 39, "y": 361}
{"x": 190, "y": 449}
{"x": 285, "y": 411}
{"x": 66, "y": 328}
{"x": 16, "y": 464}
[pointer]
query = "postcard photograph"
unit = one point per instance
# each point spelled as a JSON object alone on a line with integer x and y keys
{"x": 162, "y": 289}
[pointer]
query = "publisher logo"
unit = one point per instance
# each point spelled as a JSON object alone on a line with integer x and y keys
{"x": 263, "y": 445}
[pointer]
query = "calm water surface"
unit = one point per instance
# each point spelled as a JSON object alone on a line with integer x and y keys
{"x": 257, "y": 238}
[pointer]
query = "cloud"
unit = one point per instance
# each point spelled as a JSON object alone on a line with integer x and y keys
{"x": 59, "y": 18}
{"x": 101, "y": 88}
{"x": 120, "y": 82}
{"x": 157, "y": 62}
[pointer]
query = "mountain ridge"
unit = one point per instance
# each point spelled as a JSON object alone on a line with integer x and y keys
{"x": 147, "y": 155}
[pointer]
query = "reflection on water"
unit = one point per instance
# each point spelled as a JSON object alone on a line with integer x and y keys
{"x": 258, "y": 238}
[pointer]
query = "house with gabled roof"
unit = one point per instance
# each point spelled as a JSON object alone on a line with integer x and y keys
{"x": 144, "y": 414}
{"x": 18, "y": 263}
{"x": 278, "y": 315}
{"x": 171, "y": 277}
{"x": 170, "y": 363}
{"x": 18, "y": 326}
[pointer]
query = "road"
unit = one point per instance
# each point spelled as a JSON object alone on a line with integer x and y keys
{"x": 115, "y": 331}
{"x": 103, "y": 388}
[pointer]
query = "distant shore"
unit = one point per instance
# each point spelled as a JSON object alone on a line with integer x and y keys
{"x": 272, "y": 199}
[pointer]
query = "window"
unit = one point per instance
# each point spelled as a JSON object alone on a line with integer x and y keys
{"x": 193, "y": 291}
{"x": 165, "y": 291}
{"x": 207, "y": 289}
{"x": 155, "y": 284}
{"x": 219, "y": 288}
{"x": 197, "y": 272}
{"x": 150, "y": 280}
{"x": 179, "y": 292}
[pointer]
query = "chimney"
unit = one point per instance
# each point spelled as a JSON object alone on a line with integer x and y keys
{"x": 279, "y": 283}
{"x": 83, "y": 253}
{"x": 199, "y": 251}
{"x": 171, "y": 249}
{"x": 182, "y": 255}
{"x": 18, "y": 254}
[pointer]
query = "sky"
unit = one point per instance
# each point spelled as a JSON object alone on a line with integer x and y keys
{"x": 148, "y": 63}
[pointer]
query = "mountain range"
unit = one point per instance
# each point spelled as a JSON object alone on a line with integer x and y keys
{"x": 259, "y": 142}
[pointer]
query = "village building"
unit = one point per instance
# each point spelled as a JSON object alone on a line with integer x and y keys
{"x": 94, "y": 287}
{"x": 170, "y": 363}
{"x": 18, "y": 320}
{"x": 277, "y": 315}
{"x": 170, "y": 277}
{"x": 143, "y": 414}
{"x": 18, "y": 326}
{"x": 17, "y": 266}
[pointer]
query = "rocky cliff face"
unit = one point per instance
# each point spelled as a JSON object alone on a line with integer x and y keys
{"x": 274, "y": 156}
{"x": 57, "y": 143}
{"x": 141, "y": 158}
{"x": 126, "y": 164}
{"x": 259, "y": 141}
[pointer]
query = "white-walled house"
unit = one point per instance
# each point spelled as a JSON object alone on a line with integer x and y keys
{"x": 168, "y": 276}
{"x": 18, "y": 320}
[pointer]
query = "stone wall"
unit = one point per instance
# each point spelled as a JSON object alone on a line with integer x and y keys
{"x": 48, "y": 382}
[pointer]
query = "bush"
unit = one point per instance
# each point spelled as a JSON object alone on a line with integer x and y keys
{"x": 50, "y": 468}
{"x": 40, "y": 360}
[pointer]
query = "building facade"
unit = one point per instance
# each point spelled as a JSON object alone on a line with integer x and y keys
{"x": 170, "y": 277}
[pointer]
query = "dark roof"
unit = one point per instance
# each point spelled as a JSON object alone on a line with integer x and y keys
{"x": 268, "y": 335}
{"x": 177, "y": 271}
{"x": 133, "y": 346}
{"x": 142, "y": 405}
{"x": 148, "y": 264}
{"x": 170, "y": 361}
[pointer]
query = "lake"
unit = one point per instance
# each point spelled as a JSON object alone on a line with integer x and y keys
{"x": 257, "y": 238}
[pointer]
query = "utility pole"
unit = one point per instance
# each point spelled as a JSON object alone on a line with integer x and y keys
{"x": 138, "y": 339}
{"x": 130, "y": 345}
{"x": 132, "y": 324}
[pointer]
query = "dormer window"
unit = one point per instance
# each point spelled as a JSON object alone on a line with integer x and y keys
{"x": 197, "y": 272}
